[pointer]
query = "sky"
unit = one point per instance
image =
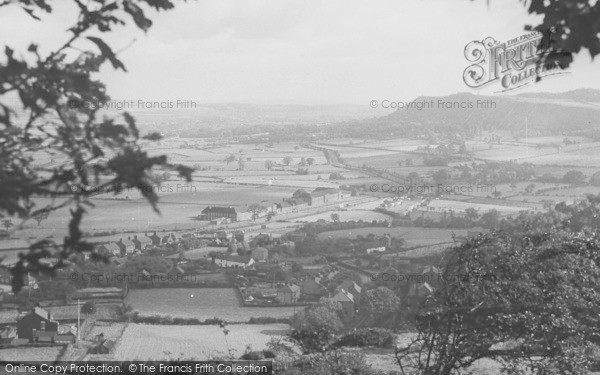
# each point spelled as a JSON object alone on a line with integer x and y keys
{"x": 300, "y": 51}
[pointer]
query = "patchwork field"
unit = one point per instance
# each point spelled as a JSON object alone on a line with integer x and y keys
{"x": 163, "y": 342}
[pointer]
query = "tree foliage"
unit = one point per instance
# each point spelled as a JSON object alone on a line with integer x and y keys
{"x": 57, "y": 116}
{"x": 530, "y": 300}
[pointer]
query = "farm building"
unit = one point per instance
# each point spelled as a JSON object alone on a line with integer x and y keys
{"x": 218, "y": 212}
{"x": 288, "y": 294}
{"x": 32, "y": 324}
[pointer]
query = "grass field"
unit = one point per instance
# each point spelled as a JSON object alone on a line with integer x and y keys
{"x": 163, "y": 342}
{"x": 413, "y": 236}
{"x": 200, "y": 303}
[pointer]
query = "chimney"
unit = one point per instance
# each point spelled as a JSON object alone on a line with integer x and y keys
{"x": 135, "y": 236}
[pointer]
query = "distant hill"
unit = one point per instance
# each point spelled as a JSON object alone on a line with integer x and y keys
{"x": 580, "y": 95}
{"x": 563, "y": 113}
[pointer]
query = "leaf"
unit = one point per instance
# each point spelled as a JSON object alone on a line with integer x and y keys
{"x": 107, "y": 53}
{"x": 137, "y": 14}
{"x": 131, "y": 122}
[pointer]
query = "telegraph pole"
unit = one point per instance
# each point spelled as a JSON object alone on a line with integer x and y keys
{"x": 78, "y": 320}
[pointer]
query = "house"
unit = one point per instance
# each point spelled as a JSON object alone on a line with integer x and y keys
{"x": 346, "y": 300}
{"x": 260, "y": 254}
{"x": 288, "y": 294}
{"x": 156, "y": 240}
{"x": 234, "y": 261}
{"x": 169, "y": 239}
{"x": 30, "y": 325}
{"x": 142, "y": 243}
{"x": 108, "y": 249}
{"x": 352, "y": 287}
{"x": 312, "y": 289}
{"x": 217, "y": 212}
{"x": 126, "y": 246}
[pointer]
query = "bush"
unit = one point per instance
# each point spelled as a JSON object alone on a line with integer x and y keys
{"x": 377, "y": 337}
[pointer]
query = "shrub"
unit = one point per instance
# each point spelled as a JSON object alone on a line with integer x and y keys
{"x": 378, "y": 337}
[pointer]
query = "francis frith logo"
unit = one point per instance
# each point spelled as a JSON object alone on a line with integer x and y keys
{"x": 512, "y": 64}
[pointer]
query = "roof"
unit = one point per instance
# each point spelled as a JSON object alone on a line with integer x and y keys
{"x": 41, "y": 313}
{"x": 111, "y": 247}
{"x": 143, "y": 239}
{"x": 342, "y": 296}
{"x": 219, "y": 210}
{"x": 127, "y": 242}
{"x": 347, "y": 284}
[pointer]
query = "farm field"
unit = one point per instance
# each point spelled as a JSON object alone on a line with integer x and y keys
{"x": 200, "y": 303}
{"x": 165, "y": 342}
